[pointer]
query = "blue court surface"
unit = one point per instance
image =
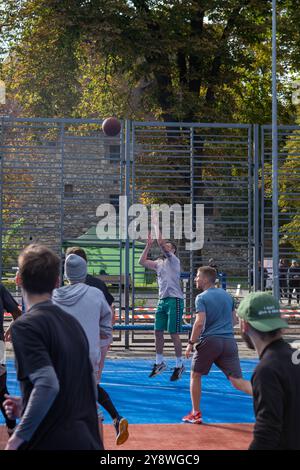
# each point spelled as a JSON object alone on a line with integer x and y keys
{"x": 159, "y": 401}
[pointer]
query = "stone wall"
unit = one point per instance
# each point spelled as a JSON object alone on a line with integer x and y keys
{"x": 52, "y": 182}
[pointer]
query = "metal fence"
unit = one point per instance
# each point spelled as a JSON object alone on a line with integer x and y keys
{"x": 288, "y": 207}
{"x": 54, "y": 175}
{"x": 56, "y": 172}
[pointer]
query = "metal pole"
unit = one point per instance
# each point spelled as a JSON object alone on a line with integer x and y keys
{"x": 121, "y": 193}
{"x": 127, "y": 241}
{"x": 133, "y": 200}
{"x": 262, "y": 205}
{"x": 275, "y": 225}
{"x": 250, "y": 195}
{"x": 256, "y": 280}
{"x": 1, "y": 196}
{"x": 62, "y": 199}
{"x": 192, "y": 202}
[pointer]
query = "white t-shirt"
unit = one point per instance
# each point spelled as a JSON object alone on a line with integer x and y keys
{"x": 168, "y": 277}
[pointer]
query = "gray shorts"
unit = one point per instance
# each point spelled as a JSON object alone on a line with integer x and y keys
{"x": 220, "y": 351}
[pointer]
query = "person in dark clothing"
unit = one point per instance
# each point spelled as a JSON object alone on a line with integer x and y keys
{"x": 120, "y": 423}
{"x": 99, "y": 284}
{"x": 57, "y": 410}
{"x": 294, "y": 281}
{"x": 276, "y": 379}
{"x": 8, "y": 303}
{"x": 283, "y": 278}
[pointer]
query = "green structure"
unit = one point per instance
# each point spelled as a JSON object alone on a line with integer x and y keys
{"x": 107, "y": 257}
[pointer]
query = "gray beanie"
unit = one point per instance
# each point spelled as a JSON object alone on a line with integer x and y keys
{"x": 75, "y": 268}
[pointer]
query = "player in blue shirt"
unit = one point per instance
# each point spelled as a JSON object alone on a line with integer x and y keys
{"x": 213, "y": 339}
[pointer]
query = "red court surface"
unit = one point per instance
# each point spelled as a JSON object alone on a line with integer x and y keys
{"x": 182, "y": 437}
{"x": 176, "y": 437}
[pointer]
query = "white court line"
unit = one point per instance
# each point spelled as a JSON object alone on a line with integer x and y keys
{"x": 175, "y": 389}
{"x": 138, "y": 386}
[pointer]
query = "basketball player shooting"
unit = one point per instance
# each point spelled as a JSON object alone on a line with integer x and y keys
{"x": 170, "y": 305}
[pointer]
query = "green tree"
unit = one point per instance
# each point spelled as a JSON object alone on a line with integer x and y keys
{"x": 172, "y": 60}
{"x": 289, "y": 184}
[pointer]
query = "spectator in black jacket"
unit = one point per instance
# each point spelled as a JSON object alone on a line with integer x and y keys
{"x": 57, "y": 405}
{"x": 276, "y": 379}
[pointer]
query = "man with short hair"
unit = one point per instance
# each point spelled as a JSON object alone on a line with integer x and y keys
{"x": 58, "y": 404}
{"x": 169, "y": 310}
{"x": 276, "y": 379}
{"x": 213, "y": 338}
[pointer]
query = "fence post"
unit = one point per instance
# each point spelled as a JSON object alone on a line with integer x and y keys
{"x": 262, "y": 215}
{"x": 62, "y": 199}
{"x": 192, "y": 202}
{"x": 127, "y": 241}
{"x": 1, "y": 196}
{"x": 275, "y": 221}
{"x": 256, "y": 280}
{"x": 250, "y": 189}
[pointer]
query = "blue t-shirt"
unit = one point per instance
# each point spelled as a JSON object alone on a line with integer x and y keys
{"x": 218, "y": 306}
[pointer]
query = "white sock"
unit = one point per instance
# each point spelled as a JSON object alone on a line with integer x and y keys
{"x": 179, "y": 362}
{"x": 159, "y": 359}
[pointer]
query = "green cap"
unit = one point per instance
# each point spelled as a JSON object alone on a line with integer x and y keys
{"x": 262, "y": 311}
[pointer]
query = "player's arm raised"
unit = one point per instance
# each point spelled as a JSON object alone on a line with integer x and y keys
{"x": 197, "y": 329}
{"x": 160, "y": 241}
{"x": 144, "y": 261}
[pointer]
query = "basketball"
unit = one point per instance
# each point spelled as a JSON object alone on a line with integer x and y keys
{"x": 111, "y": 127}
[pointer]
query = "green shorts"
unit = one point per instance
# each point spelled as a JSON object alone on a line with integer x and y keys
{"x": 169, "y": 315}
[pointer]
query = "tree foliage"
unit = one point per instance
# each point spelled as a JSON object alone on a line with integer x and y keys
{"x": 168, "y": 59}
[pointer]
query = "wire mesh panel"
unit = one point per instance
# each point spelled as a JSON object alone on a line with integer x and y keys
{"x": 223, "y": 183}
{"x": 288, "y": 207}
{"x": 161, "y": 175}
{"x": 55, "y": 174}
{"x": 31, "y": 168}
{"x": 188, "y": 164}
